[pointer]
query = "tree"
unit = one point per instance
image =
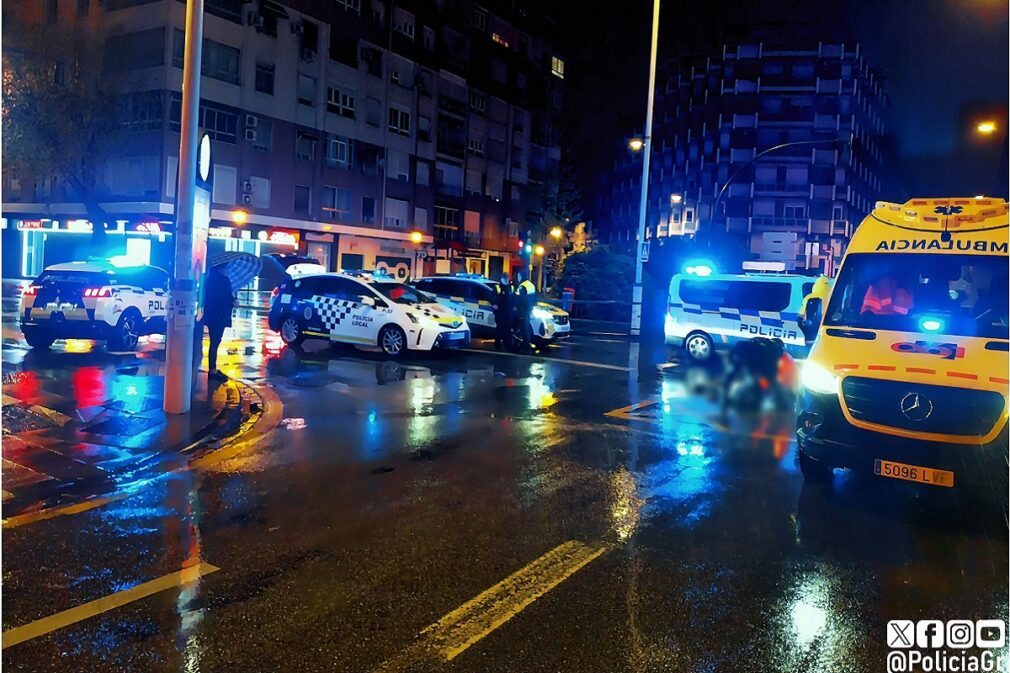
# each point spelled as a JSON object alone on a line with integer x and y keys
{"x": 599, "y": 274}
{"x": 58, "y": 121}
{"x": 561, "y": 198}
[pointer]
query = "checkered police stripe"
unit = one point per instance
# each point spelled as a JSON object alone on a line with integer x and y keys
{"x": 768, "y": 318}
{"x": 331, "y": 311}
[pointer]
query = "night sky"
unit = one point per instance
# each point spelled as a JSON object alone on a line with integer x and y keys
{"x": 944, "y": 62}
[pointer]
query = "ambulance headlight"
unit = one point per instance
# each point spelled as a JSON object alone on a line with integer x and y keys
{"x": 541, "y": 314}
{"x": 817, "y": 379}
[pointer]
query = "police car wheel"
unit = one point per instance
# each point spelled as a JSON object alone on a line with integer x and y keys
{"x": 291, "y": 331}
{"x": 392, "y": 340}
{"x": 126, "y": 334}
{"x": 814, "y": 470}
{"x": 38, "y": 339}
{"x": 698, "y": 346}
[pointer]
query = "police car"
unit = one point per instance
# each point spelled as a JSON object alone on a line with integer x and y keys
{"x": 94, "y": 300}
{"x": 368, "y": 309}
{"x": 475, "y": 296}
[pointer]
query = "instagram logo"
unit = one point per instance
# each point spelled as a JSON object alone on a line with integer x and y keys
{"x": 960, "y": 633}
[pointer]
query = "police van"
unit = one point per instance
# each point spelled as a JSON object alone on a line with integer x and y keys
{"x": 367, "y": 309}
{"x": 475, "y": 296}
{"x": 706, "y": 312}
{"x": 94, "y": 300}
{"x": 908, "y": 378}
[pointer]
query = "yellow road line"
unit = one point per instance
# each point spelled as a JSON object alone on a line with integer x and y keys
{"x": 451, "y": 635}
{"x": 625, "y": 412}
{"x": 62, "y": 619}
{"x": 562, "y": 361}
{"x": 51, "y": 414}
{"x": 63, "y": 510}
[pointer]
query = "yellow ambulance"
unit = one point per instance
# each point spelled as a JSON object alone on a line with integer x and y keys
{"x": 908, "y": 376}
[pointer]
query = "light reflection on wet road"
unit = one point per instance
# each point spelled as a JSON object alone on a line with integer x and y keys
{"x": 394, "y": 492}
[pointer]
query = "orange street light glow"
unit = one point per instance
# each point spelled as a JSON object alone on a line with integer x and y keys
{"x": 986, "y": 128}
{"x": 239, "y": 216}
{"x": 415, "y": 237}
{"x": 539, "y": 249}
{"x": 636, "y": 144}
{"x": 556, "y": 232}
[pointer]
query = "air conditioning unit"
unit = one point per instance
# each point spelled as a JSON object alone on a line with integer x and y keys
{"x": 251, "y": 135}
{"x": 247, "y": 187}
{"x": 251, "y": 121}
{"x": 247, "y": 199}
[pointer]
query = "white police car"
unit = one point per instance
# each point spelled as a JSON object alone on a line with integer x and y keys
{"x": 475, "y": 296}
{"x": 367, "y": 309}
{"x": 94, "y": 300}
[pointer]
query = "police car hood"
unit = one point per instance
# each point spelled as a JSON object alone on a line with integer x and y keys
{"x": 550, "y": 308}
{"x": 435, "y": 311}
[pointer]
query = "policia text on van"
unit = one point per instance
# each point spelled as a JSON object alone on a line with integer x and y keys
{"x": 908, "y": 377}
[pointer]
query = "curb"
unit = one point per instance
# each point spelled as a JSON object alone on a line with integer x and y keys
{"x": 261, "y": 414}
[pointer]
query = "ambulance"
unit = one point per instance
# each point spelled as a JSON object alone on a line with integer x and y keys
{"x": 907, "y": 379}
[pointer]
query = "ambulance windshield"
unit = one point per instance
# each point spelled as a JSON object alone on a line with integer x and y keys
{"x": 959, "y": 295}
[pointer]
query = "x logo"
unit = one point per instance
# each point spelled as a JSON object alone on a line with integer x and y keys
{"x": 900, "y": 633}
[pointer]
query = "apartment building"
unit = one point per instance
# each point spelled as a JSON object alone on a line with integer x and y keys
{"x": 817, "y": 101}
{"x": 346, "y": 129}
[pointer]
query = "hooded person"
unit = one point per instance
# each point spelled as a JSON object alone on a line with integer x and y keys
{"x": 503, "y": 308}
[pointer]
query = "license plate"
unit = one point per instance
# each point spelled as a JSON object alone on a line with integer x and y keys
{"x": 452, "y": 336}
{"x": 923, "y": 475}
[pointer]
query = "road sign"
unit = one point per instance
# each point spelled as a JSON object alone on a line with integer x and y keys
{"x": 645, "y": 251}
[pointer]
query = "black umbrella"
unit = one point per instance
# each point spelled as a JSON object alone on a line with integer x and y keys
{"x": 238, "y": 267}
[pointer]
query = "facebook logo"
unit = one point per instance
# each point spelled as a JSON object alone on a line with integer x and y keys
{"x": 929, "y": 633}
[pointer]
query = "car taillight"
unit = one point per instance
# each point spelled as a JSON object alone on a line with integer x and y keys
{"x": 30, "y": 291}
{"x": 274, "y": 292}
{"x": 97, "y": 292}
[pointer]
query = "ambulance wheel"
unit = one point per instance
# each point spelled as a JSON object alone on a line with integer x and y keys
{"x": 126, "y": 333}
{"x": 814, "y": 471}
{"x": 38, "y": 339}
{"x": 699, "y": 346}
{"x": 291, "y": 331}
{"x": 392, "y": 341}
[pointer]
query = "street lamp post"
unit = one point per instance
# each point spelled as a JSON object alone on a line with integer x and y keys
{"x": 646, "y": 147}
{"x": 182, "y": 303}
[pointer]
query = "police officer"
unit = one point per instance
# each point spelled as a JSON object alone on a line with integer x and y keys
{"x": 503, "y": 314}
{"x": 527, "y": 299}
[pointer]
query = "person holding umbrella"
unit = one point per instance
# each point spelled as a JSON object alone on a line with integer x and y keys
{"x": 227, "y": 273}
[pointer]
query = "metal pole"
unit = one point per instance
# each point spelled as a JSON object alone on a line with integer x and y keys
{"x": 179, "y": 364}
{"x": 636, "y": 298}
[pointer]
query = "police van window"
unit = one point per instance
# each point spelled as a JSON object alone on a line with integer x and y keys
{"x": 712, "y": 292}
{"x": 962, "y": 295}
{"x": 439, "y": 286}
{"x": 345, "y": 288}
{"x": 77, "y": 277}
{"x": 754, "y": 295}
{"x": 807, "y": 289}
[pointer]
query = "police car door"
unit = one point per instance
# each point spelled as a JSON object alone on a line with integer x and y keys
{"x": 366, "y": 311}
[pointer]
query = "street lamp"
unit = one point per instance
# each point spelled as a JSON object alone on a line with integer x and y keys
{"x": 239, "y": 217}
{"x": 416, "y": 237}
{"x": 636, "y": 144}
{"x": 986, "y": 128}
{"x": 538, "y": 250}
{"x": 675, "y": 199}
{"x": 556, "y": 232}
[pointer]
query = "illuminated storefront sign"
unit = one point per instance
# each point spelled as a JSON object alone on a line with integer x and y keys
{"x": 275, "y": 236}
{"x": 29, "y": 225}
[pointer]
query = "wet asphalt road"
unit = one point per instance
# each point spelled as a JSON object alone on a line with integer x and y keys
{"x": 363, "y": 533}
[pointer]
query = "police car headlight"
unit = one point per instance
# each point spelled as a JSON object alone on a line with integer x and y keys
{"x": 817, "y": 379}
{"x": 541, "y": 314}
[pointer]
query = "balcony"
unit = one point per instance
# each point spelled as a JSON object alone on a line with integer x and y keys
{"x": 782, "y": 188}
{"x": 452, "y": 106}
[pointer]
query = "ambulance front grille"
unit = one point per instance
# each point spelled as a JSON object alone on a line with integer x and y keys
{"x": 941, "y": 410}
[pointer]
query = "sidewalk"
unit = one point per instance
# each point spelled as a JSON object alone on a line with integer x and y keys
{"x": 73, "y": 434}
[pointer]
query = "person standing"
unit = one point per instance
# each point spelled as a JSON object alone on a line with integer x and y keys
{"x": 218, "y": 303}
{"x": 503, "y": 315}
{"x": 526, "y": 300}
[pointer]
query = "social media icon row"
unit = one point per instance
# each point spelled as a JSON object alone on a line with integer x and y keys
{"x": 954, "y": 633}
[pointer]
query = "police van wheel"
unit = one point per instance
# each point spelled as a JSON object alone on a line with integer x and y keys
{"x": 392, "y": 340}
{"x": 38, "y": 339}
{"x": 291, "y": 331}
{"x": 814, "y": 471}
{"x": 699, "y": 346}
{"x": 126, "y": 334}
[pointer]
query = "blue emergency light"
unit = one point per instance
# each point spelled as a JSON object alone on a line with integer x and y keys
{"x": 931, "y": 324}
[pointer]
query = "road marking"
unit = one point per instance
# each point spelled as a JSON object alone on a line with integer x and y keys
{"x": 625, "y": 412}
{"x": 451, "y": 635}
{"x": 60, "y": 620}
{"x": 63, "y": 510}
{"x": 564, "y": 361}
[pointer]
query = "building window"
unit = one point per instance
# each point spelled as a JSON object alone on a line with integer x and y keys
{"x": 265, "y": 78}
{"x": 498, "y": 39}
{"x": 305, "y": 146}
{"x": 142, "y": 111}
{"x": 394, "y": 213}
{"x": 557, "y": 67}
{"x": 794, "y": 212}
{"x": 479, "y": 19}
{"x": 478, "y": 102}
{"x": 446, "y": 218}
{"x": 476, "y": 147}
{"x": 262, "y": 135}
{"x": 368, "y": 209}
{"x": 399, "y": 121}
{"x": 373, "y": 61}
{"x": 303, "y": 198}
{"x": 219, "y": 122}
{"x": 219, "y": 60}
{"x": 338, "y": 151}
{"x": 133, "y": 51}
{"x": 350, "y": 5}
{"x": 306, "y": 90}
{"x": 428, "y": 39}
{"x": 556, "y": 99}
{"x": 337, "y": 203}
{"x": 403, "y": 22}
{"x": 339, "y": 102}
